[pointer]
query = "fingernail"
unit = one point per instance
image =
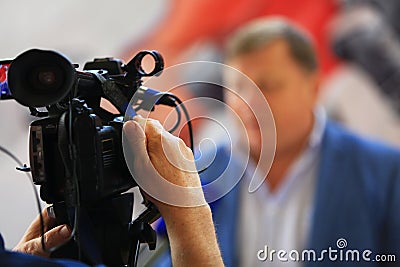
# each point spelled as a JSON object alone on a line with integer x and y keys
{"x": 130, "y": 127}
{"x": 65, "y": 232}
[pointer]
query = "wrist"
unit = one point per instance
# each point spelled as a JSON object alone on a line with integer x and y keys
{"x": 174, "y": 214}
{"x": 192, "y": 236}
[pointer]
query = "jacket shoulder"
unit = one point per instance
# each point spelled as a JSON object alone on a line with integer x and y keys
{"x": 362, "y": 150}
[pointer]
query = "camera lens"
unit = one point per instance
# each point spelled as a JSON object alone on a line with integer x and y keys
{"x": 39, "y": 78}
{"x": 47, "y": 78}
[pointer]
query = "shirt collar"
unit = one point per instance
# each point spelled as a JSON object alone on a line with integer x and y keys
{"x": 317, "y": 132}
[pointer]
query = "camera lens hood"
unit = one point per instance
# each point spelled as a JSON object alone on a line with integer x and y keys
{"x": 39, "y": 78}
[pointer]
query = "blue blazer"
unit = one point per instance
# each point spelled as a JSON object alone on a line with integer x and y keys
{"x": 357, "y": 198}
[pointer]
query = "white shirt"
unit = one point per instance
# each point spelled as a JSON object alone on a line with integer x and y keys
{"x": 281, "y": 220}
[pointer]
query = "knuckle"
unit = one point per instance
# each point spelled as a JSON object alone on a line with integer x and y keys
{"x": 27, "y": 248}
{"x": 47, "y": 240}
{"x": 185, "y": 150}
{"x": 153, "y": 129}
{"x": 154, "y": 123}
{"x": 182, "y": 144}
{"x": 31, "y": 248}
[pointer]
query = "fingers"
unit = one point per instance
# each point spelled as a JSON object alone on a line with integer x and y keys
{"x": 156, "y": 135}
{"x": 136, "y": 137}
{"x": 57, "y": 236}
{"x": 139, "y": 130}
{"x": 144, "y": 136}
{"x": 158, "y": 145}
{"x": 152, "y": 128}
{"x": 161, "y": 164}
{"x": 34, "y": 230}
{"x": 53, "y": 238}
{"x": 33, "y": 247}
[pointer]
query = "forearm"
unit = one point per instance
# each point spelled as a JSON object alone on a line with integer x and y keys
{"x": 192, "y": 236}
{"x": 189, "y": 221}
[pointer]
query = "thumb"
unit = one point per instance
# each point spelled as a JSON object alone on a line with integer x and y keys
{"x": 136, "y": 138}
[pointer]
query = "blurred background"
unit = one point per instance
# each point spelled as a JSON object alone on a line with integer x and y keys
{"x": 357, "y": 42}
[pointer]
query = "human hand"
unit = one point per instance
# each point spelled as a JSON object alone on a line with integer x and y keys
{"x": 162, "y": 165}
{"x": 160, "y": 159}
{"x": 31, "y": 241}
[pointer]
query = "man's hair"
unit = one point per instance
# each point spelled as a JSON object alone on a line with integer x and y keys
{"x": 262, "y": 32}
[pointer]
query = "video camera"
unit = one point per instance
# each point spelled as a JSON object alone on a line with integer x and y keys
{"x": 76, "y": 153}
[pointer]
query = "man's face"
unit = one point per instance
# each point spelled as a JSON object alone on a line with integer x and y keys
{"x": 289, "y": 89}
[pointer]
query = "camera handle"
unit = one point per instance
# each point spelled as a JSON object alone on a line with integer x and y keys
{"x": 140, "y": 231}
{"x": 112, "y": 92}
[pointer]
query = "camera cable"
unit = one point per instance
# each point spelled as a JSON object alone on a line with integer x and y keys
{"x": 24, "y": 168}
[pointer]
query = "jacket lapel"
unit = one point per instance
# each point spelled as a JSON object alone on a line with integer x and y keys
{"x": 340, "y": 210}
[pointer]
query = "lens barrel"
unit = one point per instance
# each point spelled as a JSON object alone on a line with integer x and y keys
{"x": 39, "y": 78}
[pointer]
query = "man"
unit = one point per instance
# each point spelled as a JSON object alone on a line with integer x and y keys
{"x": 329, "y": 196}
{"x": 151, "y": 144}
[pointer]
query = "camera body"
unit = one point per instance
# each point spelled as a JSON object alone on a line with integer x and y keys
{"x": 76, "y": 152}
{"x": 72, "y": 140}
{"x": 100, "y": 166}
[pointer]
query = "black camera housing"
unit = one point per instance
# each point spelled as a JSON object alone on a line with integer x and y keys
{"x": 100, "y": 165}
{"x": 76, "y": 152}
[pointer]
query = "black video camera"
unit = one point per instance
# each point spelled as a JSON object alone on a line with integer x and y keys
{"x": 76, "y": 153}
